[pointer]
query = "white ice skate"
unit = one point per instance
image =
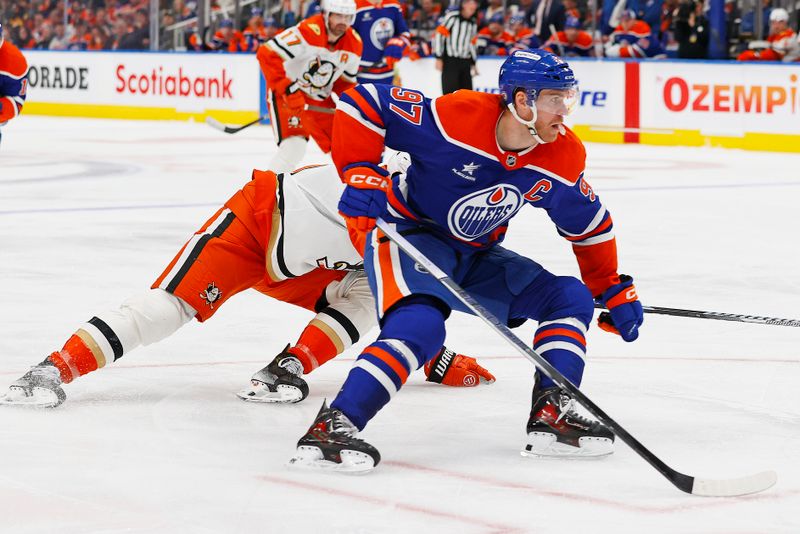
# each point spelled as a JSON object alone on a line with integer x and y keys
{"x": 38, "y": 388}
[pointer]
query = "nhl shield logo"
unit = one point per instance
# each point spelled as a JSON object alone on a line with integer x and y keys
{"x": 511, "y": 160}
{"x": 481, "y": 212}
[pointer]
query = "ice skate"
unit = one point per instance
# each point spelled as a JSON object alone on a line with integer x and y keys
{"x": 38, "y": 388}
{"x": 281, "y": 381}
{"x": 331, "y": 445}
{"x": 555, "y": 429}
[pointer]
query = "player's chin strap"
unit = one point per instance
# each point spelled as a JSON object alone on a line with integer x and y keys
{"x": 531, "y": 123}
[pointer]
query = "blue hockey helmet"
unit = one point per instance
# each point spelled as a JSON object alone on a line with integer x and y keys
{"x": 533, "y": 71}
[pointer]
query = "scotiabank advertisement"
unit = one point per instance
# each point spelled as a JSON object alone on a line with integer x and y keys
{"x": 602, "y": 86}
{"x": 727, "y": 100}
{"x": 171, "y": 83}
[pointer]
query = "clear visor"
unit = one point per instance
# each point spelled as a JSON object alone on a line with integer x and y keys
{"x": 558, "y": 102}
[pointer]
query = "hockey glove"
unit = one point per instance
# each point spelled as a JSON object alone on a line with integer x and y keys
{"x": 625, "y": 314}
{"x": 394, "y": 51}
{"x": 457, "y": 370}
{"x": 363, "y": 200}
{"x": 295, "y": 101}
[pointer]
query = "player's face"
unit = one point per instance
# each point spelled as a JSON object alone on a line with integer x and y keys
{"x": 552, "y": 107}
{"x": 338, "y": 24}
{"x": 571, "y": 34}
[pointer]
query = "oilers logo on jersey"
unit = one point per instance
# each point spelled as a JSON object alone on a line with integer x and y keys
{"x": 381, "y": 31}
{"x": 481, "y": 212}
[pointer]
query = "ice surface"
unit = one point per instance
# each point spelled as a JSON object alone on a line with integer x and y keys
{"x": 91, "y": 211}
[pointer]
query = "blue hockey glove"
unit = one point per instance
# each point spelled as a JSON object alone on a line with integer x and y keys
{"x": 625, "y": 314}
{"x": 363, "y": 200}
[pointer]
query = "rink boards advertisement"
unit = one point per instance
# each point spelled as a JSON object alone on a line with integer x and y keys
{"x": 689, "y": 103}
{"x": 143, "y": 85}
{"x": 736, "y": 105}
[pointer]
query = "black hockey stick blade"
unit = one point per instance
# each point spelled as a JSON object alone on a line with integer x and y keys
{"x": 695, "y": 486}
{"x": 214, "y": 123}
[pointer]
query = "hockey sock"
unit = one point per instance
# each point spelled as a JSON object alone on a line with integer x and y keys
{"x": 411, "y": 334}
{"x": 314, "y": 348}
{"x": 80, "y": 355}
{"x": 562, "y": 343}
{"x": 379, "y": 373}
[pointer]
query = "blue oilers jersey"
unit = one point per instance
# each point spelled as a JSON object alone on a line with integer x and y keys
{"x": 13, "y": 81}
{"x": 376, "y": 24}
{"x": 461, "y": 184}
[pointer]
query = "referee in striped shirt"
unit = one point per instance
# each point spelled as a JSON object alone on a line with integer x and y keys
{"x": 454, "y": 46}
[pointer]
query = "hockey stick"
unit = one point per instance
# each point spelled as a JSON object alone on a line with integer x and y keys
{"x": 689, "y": 484}
{"x": 214, "y": 123}
{"x": 720, "y": 316}
{"x": 554, "y": 33}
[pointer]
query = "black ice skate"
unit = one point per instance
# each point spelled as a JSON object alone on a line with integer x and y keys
{"x": 331, "y": 444}
{"x": 556, "y": 429}
{"x": 280, "y": 381}
{"x": 38, "y": 388}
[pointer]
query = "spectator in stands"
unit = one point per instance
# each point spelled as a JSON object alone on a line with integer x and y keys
{"x": 118, "y": 41}
{"x": 748, "y": 25}
{"x": 495, "y": 7}
{"x": 633, "y": 38}
{"x": 80, "y": 37}
{"x": 23, "y": 38}
{"x": 60, "y": 40}
{"x": 425, "y": 19}
{"x": 648, "y": 11}
{"x": 526, "y": 9}
{"x": 494, "y": 40}
{"x": 571, "y": 9}
{"x": 523, "y": 34}
{"x": 255, "y": 34}
{"x": 691, "y": 31}
{"x": 781, "y": 40}
{"x": 139, "y": 38}
{"x": 572, "y": 41}
{"x": 45, "y": 36}
{"x": 99, "y": 40}
{"x": 549, "y": 14}
{"x": 227, "y": 39}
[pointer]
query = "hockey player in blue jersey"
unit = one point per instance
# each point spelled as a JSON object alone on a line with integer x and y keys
{"x": 476, "y": 159}
{"x": 13, "y": 80}
{"x": 382, "y": 28}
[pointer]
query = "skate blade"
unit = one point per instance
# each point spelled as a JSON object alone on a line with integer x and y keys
{"x": 41, "y": 398}
{"x": 310, "y": 458}
{"x": 545, "y": 445}
{"x": 284, "y": 395}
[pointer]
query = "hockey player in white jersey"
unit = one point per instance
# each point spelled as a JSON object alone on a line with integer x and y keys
{"x": 303, "y": 66}
{"x": 291, "y": 221}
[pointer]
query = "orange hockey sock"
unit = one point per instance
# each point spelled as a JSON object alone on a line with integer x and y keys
{"x": 314, "y": 348}
{"x": 77, "y": 358}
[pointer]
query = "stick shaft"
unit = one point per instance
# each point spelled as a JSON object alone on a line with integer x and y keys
{"x": 679, "y": 480}
{"x": 719, "y": 316}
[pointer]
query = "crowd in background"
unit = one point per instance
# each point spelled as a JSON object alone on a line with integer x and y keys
{"x": 614, "y": 28}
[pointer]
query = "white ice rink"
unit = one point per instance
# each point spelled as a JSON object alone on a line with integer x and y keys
{"x": 91, "y": 211}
